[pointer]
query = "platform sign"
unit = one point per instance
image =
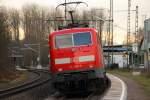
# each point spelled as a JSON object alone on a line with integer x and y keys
{"x": 135, "y": 48}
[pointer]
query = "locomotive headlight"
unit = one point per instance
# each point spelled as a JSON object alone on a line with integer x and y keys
{"x": 60, "y": 69}
{"x": 62, "y": 61}
{"x": 86, "y": 58}
{"x": 91, "y": 66}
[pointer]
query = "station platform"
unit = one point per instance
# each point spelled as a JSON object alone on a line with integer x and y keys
{"x": 117, "y": 91}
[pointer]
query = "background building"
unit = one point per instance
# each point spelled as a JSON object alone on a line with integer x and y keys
{"x": 146, "y": 43}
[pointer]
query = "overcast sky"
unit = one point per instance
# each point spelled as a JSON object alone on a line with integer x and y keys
{"x": 120, "y": 18}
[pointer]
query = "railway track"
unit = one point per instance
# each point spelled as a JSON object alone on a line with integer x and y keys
{"x": 42, "y": 78}
{"x": 116, "y": 90}
{"x": 88, "y": 96}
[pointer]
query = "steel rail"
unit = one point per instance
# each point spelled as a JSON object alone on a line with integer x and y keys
{"x": 26, "y": 86}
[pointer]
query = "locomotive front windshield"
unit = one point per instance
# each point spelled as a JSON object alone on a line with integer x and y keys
{"x": 75, "y": 39}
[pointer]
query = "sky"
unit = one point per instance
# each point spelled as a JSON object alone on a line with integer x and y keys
{"x": 120, "y": 18}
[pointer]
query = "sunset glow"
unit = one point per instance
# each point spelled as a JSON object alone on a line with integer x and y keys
{"x": 120, "y": 18}
{"x": 21, "y": 34}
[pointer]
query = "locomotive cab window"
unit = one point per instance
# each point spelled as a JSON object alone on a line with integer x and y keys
{"x": 82, "y": 39}
{"x": 74, "y": 39}
{"x": 63, "y": 41}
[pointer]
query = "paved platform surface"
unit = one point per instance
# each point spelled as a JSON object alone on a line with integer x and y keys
{"x": 117, "y": 91}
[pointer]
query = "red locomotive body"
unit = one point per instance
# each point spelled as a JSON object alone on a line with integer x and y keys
{"x": 76, "y": 59}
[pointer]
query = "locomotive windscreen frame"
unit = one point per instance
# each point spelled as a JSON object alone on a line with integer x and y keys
{"x": 72, "y": 40}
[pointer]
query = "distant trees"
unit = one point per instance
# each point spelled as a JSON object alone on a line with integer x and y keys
{"x": 6, "y": 70}
{"x": 34, "y": 23}
{"x": 14, "y": 20}
{"x": 4, "y": 37}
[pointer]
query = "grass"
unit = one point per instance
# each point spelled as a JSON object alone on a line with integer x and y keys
{"x": 8, "y": 74}
{"x": 20, "y": 78}
{"x": 142, "y": 79}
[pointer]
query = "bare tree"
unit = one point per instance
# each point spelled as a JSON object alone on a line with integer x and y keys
{"x": 6, "y": 70}
{"x": 4, "y": 36}
{"x": 36, "y": 28}
{"x": 14, "y": 18}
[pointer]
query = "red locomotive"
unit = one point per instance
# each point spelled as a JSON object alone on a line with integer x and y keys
{"x": 76, "y": 60}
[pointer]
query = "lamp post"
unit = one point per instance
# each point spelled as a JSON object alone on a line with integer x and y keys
{"x": 111, "y": 30}
{"x": 111, "y": 20}
{"x": 65, "y": 10}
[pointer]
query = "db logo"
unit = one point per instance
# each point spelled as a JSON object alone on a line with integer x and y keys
{"x": 74, "y": 59}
